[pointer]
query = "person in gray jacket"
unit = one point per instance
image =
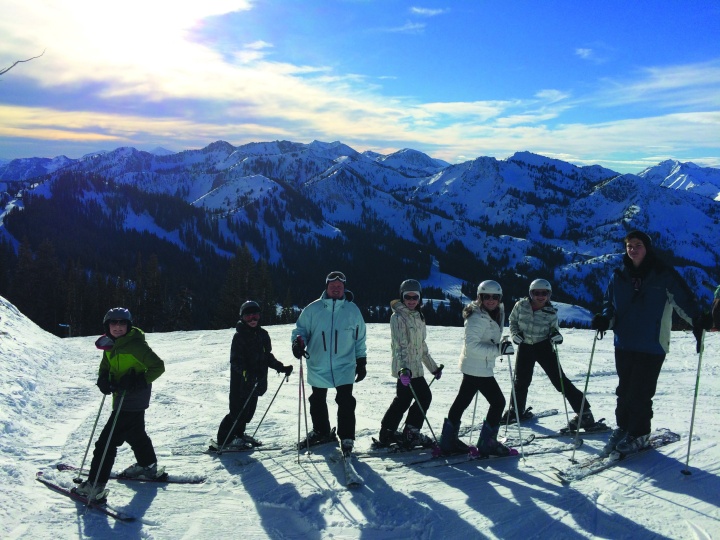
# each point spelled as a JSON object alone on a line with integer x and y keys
{"x": 534, "y": 329}
{"x": 409, "y": 353}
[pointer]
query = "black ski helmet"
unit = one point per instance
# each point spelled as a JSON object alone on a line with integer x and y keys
{"x": 410, "y": 285}
{"x": 116, "y": 314}
{"x": 248, "y": 308}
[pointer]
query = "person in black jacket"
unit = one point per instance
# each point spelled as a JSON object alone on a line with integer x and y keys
{"x": 250, "y": 357}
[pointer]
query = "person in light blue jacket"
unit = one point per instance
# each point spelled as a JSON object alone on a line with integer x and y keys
{"x": 330, "y": 333}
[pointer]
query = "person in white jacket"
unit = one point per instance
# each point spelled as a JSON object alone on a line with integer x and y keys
{"x": 484, "y": 320}
{"x": 409, "y": 353}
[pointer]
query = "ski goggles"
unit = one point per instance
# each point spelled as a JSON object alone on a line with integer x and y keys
{"x": 335, "y": 276}
{"x": 411, "y": 296}
{"x": 251, "y": 316}
{"x": 115, "y": 322}
{"x": 541, "y": 293}
{"x": 490, "y": 296}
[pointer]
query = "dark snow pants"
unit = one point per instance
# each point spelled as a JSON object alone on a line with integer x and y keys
{"x": 240, "y": 390}
{"x": 130, "y": 428}
{"x": 543, "y": 354}
{"x": 638, "y": 374}
{"x": 345, "y": 413}
{"x": 469, "y": 387}
{"x": 402, "y": 402}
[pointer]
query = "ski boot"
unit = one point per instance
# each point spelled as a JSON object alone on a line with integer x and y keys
{"x": 488, "y": 445}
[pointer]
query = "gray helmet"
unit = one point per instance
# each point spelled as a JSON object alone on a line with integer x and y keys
{"x": 116, "y": 314}
{"x": 249, "y": 307}
{"x": 489, "y": 287}
{"x": 540, "y": 284}
{"x": 410, "y": 285}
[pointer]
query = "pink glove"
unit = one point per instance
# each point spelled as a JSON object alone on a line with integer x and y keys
{"x": 405, "y": 376}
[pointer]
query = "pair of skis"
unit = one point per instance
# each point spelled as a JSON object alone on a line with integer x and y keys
{"x": 102, "y": 506}
{"x": 602, "y": 462}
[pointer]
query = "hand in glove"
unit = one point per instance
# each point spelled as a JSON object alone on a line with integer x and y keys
{"x": 104, "y": 383}
{"x": 600, "y": 322}
{"x": 405, "y": 375}
{"x": 701, "y": 323}
{"x": 132, "y": 381}
{"x": 517, "y": 340}
{"x": 438, "y": 372}
{"x": 360, "y": 369}
{"x": 506, "y": 347}
{"x": 298, "y": 347}
{"x": 556, "y": 337}
{"x": 287, "y": 370}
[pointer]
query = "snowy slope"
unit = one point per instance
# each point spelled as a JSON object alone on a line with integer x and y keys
{"x": 49, "y": 404}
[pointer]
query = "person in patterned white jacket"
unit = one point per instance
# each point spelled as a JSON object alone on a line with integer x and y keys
{"x": 409, "y": 353}
{"x": 534, "y": 329}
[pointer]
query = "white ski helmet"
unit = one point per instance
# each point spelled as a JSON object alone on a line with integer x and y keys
{"x": 540, "y": 284}
{"x": 489, "y": 287}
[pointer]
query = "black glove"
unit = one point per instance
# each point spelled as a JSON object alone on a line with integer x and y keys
{"x": 517, "y": 339}
{"x": 132, "y": 381}
{"x": 705, "y": 320}
{"x": 298, "y": 347}
{"x": 360, "y": 369}
{"x": 600, "y": 322}
{"x": 287, "y": 370}
{"x": 104, "y": 383}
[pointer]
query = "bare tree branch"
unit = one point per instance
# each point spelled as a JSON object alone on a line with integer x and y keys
{"x": 3, "y": 71}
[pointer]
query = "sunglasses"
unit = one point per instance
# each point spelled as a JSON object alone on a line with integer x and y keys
{"x": 335, "y": 276}
{"x": 251, "y": 317}
{"x": 115, "y": 322}
{"x": 411, "y": 297}
{"x": 541, "y": 293}
{"x": 490, "y": 296}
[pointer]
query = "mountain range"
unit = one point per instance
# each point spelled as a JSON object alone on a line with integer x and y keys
{"x": 518, "y": 218}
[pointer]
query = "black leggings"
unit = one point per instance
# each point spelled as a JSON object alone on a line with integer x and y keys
{"x": 543, "y": 354}
{"x": 490, "y": 390}
{"x": 402, "y": 402}
{"x": 345, "y": 413}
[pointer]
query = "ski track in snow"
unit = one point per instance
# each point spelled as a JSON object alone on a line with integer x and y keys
{"x": 49, "y": 404}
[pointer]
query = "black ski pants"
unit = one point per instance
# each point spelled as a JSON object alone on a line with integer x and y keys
{"x": 405, "y": 400}
{"x": 240, "y": 391}
{"x": 543, "y": 354}
{"x": 638, "y": 374}
{"x": 345, "y": 413}
{"x": 130, "y": 428}
{"x": 469, "y": 387}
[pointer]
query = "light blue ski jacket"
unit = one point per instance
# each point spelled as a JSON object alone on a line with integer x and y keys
{"x": 334, "y": 335}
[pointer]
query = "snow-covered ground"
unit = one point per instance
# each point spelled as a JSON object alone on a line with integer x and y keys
{"x": 49, "y": 404}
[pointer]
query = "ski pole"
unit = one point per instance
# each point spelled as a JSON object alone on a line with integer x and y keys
{"x": 472, "y": 424}
{"x": 237, "y": 419}
{"x": 107, "y": 445}
{"x": 285, "y": 378}
{"x": 517, "y": 411}
{"x": 417, "y": 402}
{"x": 686, "y": 471}
{"x": 78, "y": 479}
{"x": 302, "y": 406}
{"x": 562, "y": 384}
{"x": 598, "y": 336}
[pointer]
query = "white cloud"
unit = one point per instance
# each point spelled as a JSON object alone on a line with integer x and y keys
{"x": 427, "y": 12}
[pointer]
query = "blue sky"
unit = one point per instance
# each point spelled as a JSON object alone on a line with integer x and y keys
{"x": 616, "y": 83}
